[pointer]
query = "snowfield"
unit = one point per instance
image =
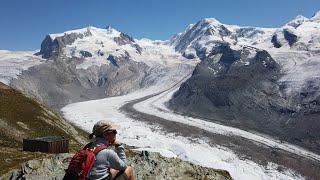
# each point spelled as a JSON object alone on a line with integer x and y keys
{"x": 12, "y": 63}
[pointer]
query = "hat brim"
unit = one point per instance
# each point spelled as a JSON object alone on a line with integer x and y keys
{"x": 115, "y": 127}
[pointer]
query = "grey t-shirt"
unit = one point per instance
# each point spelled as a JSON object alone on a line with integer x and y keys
{"x": 106, "y": 159}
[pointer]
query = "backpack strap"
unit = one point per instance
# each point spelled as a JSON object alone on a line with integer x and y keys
{"x": 99, "y": 148}
{"x": 87, "y": 146}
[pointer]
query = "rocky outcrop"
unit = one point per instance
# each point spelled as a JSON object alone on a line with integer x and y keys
{"x": 124, "y": 39}
{"x": 51, "y": 47}
{"x": 290, "y": 37}
{"x": 113, "y": 60}
{"x": 85, "y": 54}
{"x": 275, "y": 41}
{"x": 147, "y": 166}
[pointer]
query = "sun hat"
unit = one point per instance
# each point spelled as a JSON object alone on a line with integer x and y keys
{"x": 104, "y": 126}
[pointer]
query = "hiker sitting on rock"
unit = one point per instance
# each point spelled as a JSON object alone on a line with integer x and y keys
{"x": 108, "y": 163}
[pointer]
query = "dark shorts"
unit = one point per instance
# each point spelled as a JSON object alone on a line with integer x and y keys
{"x": 121, "y": 176}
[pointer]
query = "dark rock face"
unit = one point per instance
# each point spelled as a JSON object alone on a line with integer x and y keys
{"x": 209, "y": 32}
{"x": 201, "y": 53}
{"x": 228, "y": 55}
{"x": 248, "y": 32}
{"x": 290, "y": 37}
{"x": 126, "y": 39}
{"x": 275, "y": 41}
{"x": 123, "y": 39}
{"x": 241, "y": 90}
{"x": 138, "y": 48}
{"x": 219, "y": 81}
{"x": 85, "y": 54}
{"x": 49, "y": 48}
{"x": 113, "y": 60}
{"x": 52, "y": 48}
{"x": 224, "y": 31}
{"x": 188, "y": 56}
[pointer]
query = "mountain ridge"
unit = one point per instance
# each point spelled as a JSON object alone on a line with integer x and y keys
{"x": 198, "y": 39}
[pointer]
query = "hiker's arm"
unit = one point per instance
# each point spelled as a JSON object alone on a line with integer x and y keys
{"x": 116, "y": 161}
{"x": 121, "y": 154}
{"x": 120, "y": 150}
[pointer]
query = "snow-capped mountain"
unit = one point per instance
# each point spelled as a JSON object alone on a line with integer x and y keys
{"x": 93, "y": 63}
{"x": 299, "y": 34}
{"x": 83, "y": 64}
{"x": 231, "y": 87}
{"x": 295, "y": 46}
{"x": 94, "y": 44}
{"x": 88, "y": 42}
{"x": 198, "y": 39}
{"x": 316, "y": 17}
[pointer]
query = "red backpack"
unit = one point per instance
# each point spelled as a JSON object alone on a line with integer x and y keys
{"x": 81, "y": 163}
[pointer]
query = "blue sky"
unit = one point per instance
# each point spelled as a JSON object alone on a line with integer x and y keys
{"x": 25, "y": 23}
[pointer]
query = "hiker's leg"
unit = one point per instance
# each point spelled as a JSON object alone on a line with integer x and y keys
{"x": 129, "y": 173}
{"x": 113, "y": 172}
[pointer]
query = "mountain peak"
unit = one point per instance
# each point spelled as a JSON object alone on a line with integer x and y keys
{"x": 316, "y": 16}
{"x": 111, "y": 29}
{"x": 77, "y": 31}
{"x": 300, "y": 17}
{"x": 297, "y": 21}
{"x": 90, "y": 30}
{"x": 210, "y": 21}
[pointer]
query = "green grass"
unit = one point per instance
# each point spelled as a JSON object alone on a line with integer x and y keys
{"x": 24, "y": 117}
